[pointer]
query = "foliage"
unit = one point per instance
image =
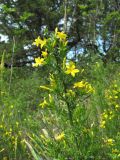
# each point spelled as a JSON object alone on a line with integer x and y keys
{"x": 93, "y": 25}
{"x": 53, "y": 107}
{"x": 74, "y": 114}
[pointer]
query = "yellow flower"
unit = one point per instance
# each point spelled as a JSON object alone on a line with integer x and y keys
{"x": 59, "y": 137}
{"x": 71, "y": 69}
{"x": 38, "y": 61}
{"x": 61, "y": 36}
{"x": 102, "y": 124}
{"x": 79, "y": 84}
{"x": 38, "y": 41}
{"x": 44, "y": 54}
{"x": 43, "y": 43}
{"x": 110, "y": 142}
{"x": 85, "y": 85}
{"x": 43, "y": 104}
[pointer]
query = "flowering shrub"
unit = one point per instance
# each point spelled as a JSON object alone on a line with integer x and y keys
{"x": 64, "y": 91}
{"x": 63, "y": 111}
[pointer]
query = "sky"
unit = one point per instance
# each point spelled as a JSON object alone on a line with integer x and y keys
{"x": 3, "y": 38}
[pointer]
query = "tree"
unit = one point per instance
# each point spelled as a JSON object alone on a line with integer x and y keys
{"x": 92, "y": 24}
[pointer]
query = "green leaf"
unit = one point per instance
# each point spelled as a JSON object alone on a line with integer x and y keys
{"x": 36, "y": 157}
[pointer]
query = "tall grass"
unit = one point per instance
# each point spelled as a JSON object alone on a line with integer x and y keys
{"x": 27, "y": 129}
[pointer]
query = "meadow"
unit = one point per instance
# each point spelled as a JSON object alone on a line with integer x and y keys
{"x": 59, "y": 109}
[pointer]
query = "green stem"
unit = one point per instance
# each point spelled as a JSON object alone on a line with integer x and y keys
{"x": 69, "y": 106}
{"x": 70, "y": 115}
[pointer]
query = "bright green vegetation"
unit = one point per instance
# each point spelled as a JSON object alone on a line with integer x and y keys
{"x": 59, "y": 109}
{"x": 53, "y": 107}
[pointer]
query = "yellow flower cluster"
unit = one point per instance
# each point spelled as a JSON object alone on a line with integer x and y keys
{"x": 42, "y": 43}
{"x": 39, "y": 60}
{"x": 10, "y": 134}
{"x": 113, "y": 96}
{"x": 105, "y": 116}
{"x": 85, "y": 86}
